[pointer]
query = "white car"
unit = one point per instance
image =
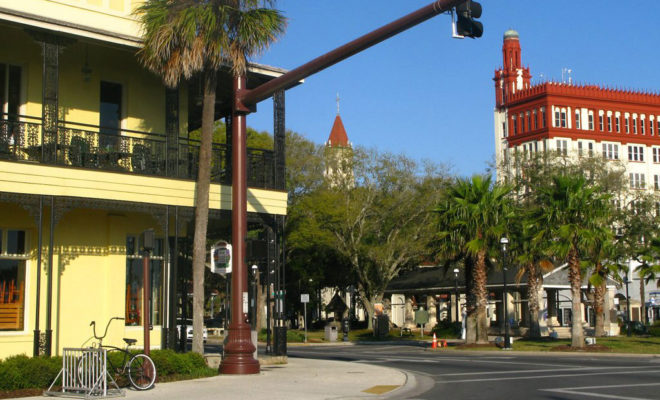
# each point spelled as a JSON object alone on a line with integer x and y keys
{"x": 189, "y": 330}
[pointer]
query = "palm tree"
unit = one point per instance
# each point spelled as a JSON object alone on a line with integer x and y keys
{"x": 187, "y": 37}
{"x": 472, "y": 219}
{"x": 569, "y": 212}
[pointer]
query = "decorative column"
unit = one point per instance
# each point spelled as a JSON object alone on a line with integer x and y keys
{"x": 171, "y": 132}
{"x": 279, "y": 138}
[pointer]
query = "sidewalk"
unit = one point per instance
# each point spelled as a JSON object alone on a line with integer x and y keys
{"x": 299, "y": 379}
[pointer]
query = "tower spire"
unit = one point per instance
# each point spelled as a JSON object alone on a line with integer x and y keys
{"x": 337, "y": 103}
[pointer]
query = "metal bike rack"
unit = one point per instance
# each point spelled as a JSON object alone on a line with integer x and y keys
{"x": 84, "y": 374}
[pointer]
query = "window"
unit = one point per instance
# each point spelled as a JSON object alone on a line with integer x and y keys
{"x": 600, "y": 123}
{"x": 635, "y": 124}
{"x": 134, "y": 296}
{"x": 535, "y": 119}
{"x": 110, "y": 114}
{"x": 609, "y": 123}
{"x": 10, "y": 91}
{"x": 577, "y": 119}
{"x": 514, "y": 125}
{"x": 544, "y": 119}
{"x": 504, "y": 129}
{"x": 642, "y": 125}
{"x": 656, "y": 182}
{"x": 580, "y": 149}
{"x": 627, "y": 122}
{"x": 617, "y": 120}
{"x": 562, "y": 147}
{"x": 610, "y": 151}
{"x": 563, "y": 118}
{"x": 651, "y": 128}
{"x": 591, "y": 149}
{"x": 13, "y": 256}
{"x": 656, "y": 154}
{"x": 591, "y": 121}
{"x": 557, "y": 121}
{"x": 637, "y": 181}
{"x": 522, "y": 122}
{"x": 635, "y": 153}
{"x": 529, "y": 120}
{"x": 657, "y": 126}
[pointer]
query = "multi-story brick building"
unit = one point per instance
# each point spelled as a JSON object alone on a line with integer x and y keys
{"x": 576, "y": 121}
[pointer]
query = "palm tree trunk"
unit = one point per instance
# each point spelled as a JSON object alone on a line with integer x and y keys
{"x": 481, "y": 296}
{"x": 575, "y": 278}
{"x": 599, "y": 306}
{"x": 202, "y": 209}
{"x": 642, "y": 298}
{"x": 533, "y": 287}
{"x": 470, "y": 304}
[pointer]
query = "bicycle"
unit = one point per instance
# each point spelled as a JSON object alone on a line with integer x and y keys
{"x": 138, "y": 368}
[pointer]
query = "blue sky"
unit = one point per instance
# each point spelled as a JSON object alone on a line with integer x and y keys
{"x": 429, "y": 96}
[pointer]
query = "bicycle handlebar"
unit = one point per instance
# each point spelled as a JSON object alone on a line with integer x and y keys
{"x": 105, "y": 333}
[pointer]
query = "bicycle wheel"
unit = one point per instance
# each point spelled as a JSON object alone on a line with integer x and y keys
{"x": 141, "y": 372}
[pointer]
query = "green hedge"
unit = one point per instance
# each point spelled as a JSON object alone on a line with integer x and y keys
{"x": 22, "y": 372}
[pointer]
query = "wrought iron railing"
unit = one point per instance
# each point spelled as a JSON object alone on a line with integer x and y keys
{"x": 93, "y": 147}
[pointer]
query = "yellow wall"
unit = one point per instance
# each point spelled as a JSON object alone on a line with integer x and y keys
{"x": 79, "y": 100}
{"x": 111, "y": 20}
{"x": 89, "y": 277}
{"x": 29, "y": 178}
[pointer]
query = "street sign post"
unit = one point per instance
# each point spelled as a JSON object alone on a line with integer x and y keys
{"x": 304, "y": 298}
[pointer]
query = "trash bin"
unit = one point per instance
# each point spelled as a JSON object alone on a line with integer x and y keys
{"x": 381, "y": 326}
{"x": 330, "y": 333}
{"x": 279, "y": 341}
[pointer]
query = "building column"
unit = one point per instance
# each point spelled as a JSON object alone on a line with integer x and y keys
{"x": 551, "y": 297}
{"x": 279, "y": 136}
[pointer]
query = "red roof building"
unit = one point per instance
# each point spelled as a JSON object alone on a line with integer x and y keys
{"x": 576, "y": 120}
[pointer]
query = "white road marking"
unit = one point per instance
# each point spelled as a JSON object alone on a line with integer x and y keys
{"x": 576, "y": 391}
{"x": 618, "y": 372}
{"x": 524, "y": 371}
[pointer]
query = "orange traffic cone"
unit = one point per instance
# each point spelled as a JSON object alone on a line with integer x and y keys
{"x": 444, "y": 343}
{"x": 434, "y": 343}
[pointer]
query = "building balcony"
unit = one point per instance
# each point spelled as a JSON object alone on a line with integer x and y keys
{"x": 76, "y": 145}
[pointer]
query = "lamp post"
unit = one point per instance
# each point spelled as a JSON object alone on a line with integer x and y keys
{"x": 238, "y": 359}
{"x": 507, "y": 343}
{"x": 456, "y": 292}
{"x": 628, "y": 306}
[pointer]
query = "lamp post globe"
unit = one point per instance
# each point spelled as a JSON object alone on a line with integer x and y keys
{"x": 504, "y": 241}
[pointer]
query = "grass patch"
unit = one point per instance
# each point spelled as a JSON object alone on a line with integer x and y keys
{"x": 612, "y": 344}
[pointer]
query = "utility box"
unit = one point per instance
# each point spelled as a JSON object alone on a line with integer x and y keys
{"x": 279, "y": 340}
{"x": 331, "y": 333}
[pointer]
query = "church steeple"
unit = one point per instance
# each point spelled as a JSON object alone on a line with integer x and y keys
{"x": 338, "y": 155}
{"x": 338, "y": 136}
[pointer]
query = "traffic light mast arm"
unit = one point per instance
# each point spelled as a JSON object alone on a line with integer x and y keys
{"x": 247, "y": 98}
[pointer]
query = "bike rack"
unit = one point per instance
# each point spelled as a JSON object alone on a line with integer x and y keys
{"x": 84, "y": 375}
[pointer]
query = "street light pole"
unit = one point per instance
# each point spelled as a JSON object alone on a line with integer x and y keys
{"x": 628, "y": 306}
{"x": 456, "y": 292}
{"x": 507, "y": 342}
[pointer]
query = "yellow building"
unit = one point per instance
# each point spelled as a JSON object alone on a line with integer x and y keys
{"x": 93, "y": 151}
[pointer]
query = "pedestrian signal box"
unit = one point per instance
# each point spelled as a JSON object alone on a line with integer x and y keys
{"x": 221, "y": 258}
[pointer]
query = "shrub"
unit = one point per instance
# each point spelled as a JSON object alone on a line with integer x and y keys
{"x": 655, "y": 330}
{"x": 23, "y": 372}
{"x": 446, "y": 329}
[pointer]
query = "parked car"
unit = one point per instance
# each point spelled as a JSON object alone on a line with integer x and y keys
{"x": 189, "y": 329}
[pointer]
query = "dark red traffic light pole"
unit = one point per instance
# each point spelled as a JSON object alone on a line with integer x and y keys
{"x": 239, "y": 348}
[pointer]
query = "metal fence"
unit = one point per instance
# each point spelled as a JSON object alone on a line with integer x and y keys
{"x": 84, "y": 374}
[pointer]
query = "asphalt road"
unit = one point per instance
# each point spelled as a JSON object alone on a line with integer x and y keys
{"x": 456, "y": 375}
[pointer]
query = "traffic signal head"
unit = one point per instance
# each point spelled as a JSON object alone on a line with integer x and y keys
{"x": 466, "y": 25}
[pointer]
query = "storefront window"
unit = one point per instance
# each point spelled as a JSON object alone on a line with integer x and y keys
{"x": 134, "y": 295}
{"x": 12, "y": 279}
